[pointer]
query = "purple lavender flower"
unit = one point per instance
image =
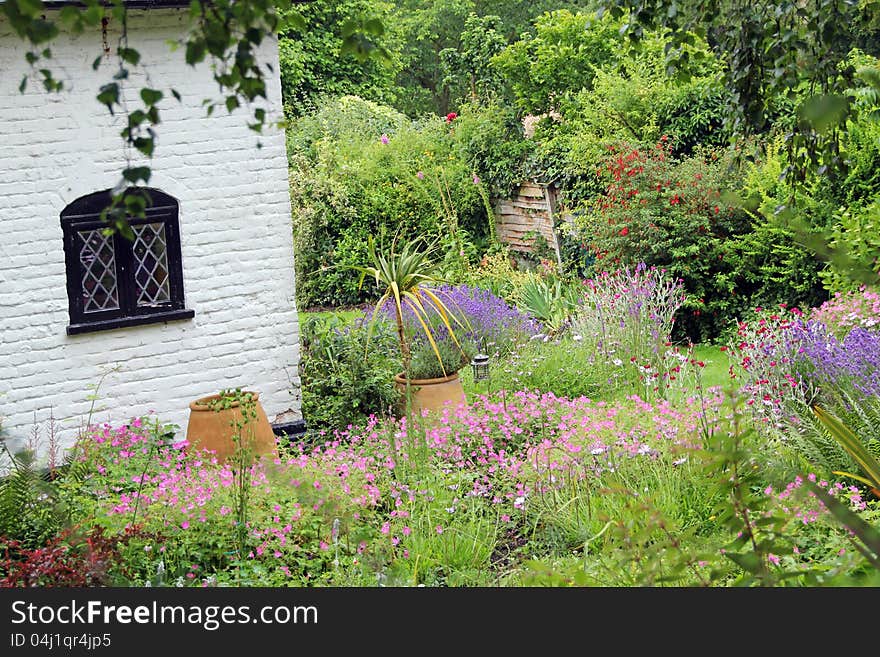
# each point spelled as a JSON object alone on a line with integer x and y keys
{"x": 851, "y": 364}
{"x": 488, "y": 323}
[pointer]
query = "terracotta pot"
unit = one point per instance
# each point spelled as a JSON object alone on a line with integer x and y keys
{"x": 214, "y": 429}
{"x": 432, "y": 394}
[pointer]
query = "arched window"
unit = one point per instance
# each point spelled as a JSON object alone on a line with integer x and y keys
{"x": 114, "y": 280}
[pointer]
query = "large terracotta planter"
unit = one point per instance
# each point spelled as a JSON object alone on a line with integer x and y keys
{"x": 214, "y": 429}
{"x": 432, "y": 394}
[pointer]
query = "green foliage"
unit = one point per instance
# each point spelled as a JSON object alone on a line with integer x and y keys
{"x": 433, "y": 30}
{"x": 814, "y": 226}
{"x": 242, "y": 425}
{"x": 339, "y": 121}
{"x": 558, "y": 59}
{"x": 551, "y": 300}
{"x": 769, "y": 267}
{"x": 854, "y": 248}
{"x": 31, "y": 511}
{"x": 344, "y": 190}
{"x": 489, "y": 139}
{"x": 633, "y": 100}
{"x": 556, "y": 366}
{"x": 316, "y": 60}
{"x": 428, "y": 28}
{"x": 864, "y": 536}
{"x": 693, "y": 113}
{"x": 467, "y": 70}
{"x": 345, "y": 380}
{"x": 772, "y": 50}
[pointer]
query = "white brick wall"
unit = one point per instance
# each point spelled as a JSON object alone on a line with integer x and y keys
{"x": 235, "y": 228}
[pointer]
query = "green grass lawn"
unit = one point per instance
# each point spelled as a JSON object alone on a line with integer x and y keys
{"x": 715, "y": 373}
{"x": 717, "y": 370}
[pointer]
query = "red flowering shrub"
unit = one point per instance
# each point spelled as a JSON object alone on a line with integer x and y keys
{"x": 671, "y": 214}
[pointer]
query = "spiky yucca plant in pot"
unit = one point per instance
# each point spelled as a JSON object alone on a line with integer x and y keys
{"x": 406, "y": 275}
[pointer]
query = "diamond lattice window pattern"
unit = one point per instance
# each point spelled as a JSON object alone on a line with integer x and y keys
{"x": 151, "y": 264}
{"x": 99, "y": 289}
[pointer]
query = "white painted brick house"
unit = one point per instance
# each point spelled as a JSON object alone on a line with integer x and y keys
{"x": 169, "y": 328}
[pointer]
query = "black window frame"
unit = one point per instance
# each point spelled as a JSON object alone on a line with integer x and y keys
{"x": 85, "y": 214}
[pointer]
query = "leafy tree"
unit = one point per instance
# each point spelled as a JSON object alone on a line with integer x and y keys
{"x": 777, "y": 49}
{"x": 428, "y": 28}
{"x": 519, "y": 17}
{"x": 468, "y": 69}
{"x": 309, "y": 54}
{"x": 559, "y": 59}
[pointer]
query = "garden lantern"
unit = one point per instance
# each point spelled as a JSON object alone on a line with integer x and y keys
{"x": 480, "y": 365}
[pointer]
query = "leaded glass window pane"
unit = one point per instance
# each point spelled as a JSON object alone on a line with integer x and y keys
{"x": 151, "y": 278}
{"x": 98, "y": 260}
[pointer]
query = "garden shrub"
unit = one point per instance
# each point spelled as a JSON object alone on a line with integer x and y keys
{"x": 339, "y": 120}
{"x": 693, "y": 114}
{"x": 854, "y": 239}
{"x": 405, "y": 183}
{"x": 489, "y": 138}
{"x": 499, "y": 273}
{"x": 671, "y": 214}
{"x": 69, "y": 559}
{"x": 769, "y": 267}
{"x": 345, "y": 378}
